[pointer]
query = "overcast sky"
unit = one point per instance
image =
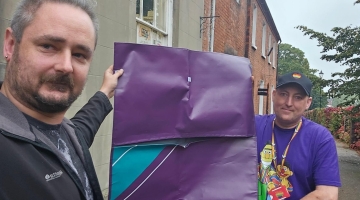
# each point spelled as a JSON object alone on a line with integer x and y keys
{"x": 319, "y": 15}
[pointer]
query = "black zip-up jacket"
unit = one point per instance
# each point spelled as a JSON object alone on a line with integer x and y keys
{"x": 30, "y": 165}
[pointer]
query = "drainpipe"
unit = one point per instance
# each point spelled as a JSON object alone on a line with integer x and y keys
{"x": 277, "y": 61}
{"x": 247, "y": 29}
{"x": 212, "y": 20}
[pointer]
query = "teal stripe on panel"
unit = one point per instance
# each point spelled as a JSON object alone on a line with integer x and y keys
{"x": 128, "y": 163}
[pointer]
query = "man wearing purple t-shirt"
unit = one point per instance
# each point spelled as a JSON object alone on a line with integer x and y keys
{"x": 297, "y": 157}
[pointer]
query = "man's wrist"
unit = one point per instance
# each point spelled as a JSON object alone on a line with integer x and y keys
{"x": 106, "y": 93}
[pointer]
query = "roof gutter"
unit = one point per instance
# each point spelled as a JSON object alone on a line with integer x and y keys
{"x": 265, "y": 9}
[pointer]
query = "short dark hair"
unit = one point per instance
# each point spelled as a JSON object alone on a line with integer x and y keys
{"x": 26, "y": 9}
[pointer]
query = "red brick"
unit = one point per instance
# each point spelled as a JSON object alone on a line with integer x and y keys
{"x": 230, "y": 38}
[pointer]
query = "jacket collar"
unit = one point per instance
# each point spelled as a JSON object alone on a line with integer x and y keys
{"x": 12, "y": 120}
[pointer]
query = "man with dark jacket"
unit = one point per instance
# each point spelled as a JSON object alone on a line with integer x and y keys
{"x": 48, "y": 50}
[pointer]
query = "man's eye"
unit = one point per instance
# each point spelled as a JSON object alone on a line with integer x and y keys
{"x": 46, "y": 46}
{"x": 78, "y": 55}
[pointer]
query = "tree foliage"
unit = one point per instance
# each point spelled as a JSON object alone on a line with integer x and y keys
{"x": 342, "y": 47}
{"x": 293, "y": 59}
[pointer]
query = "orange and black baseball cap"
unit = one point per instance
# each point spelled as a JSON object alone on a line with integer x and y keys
{"x": 296, "y": 77}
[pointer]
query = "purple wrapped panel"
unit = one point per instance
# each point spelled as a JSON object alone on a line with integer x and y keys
{"x": 173, "y": 93}
{"x": 220, "y": 102}
{"x": 168, "y": 93}
{"x": 214, "y": 169}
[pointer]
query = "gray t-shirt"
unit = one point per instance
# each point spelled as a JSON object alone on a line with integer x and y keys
{"x": 59, "y": 137}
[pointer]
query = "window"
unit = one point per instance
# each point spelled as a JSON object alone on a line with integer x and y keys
{"x": 272, "y": 103}
{"x": 274, "y": 55}
{"x": 152, "y": 12}
{"x": 269, "y": 53}
{"x": 261, "y": 98}
{"x": 263, "y": 40}
{"x": 253, "y": 39}
{"x": 153, "y": 21}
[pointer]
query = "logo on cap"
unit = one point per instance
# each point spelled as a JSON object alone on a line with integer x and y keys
{"x": 296, "y": 75}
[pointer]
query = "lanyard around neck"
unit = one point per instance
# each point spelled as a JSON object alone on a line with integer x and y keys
{"x": 273, "y": 149}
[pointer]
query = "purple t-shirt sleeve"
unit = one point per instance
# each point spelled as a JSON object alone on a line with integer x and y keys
{"x": 326, "y": 166}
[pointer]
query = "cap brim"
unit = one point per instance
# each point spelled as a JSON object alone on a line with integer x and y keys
{"x": 306, "y": 92}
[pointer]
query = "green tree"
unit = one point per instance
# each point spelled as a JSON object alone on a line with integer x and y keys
{"x": 341, "y": 47}
{"x": 315, "y": 94}
{"x": 293, "y": 59}
{"x": 339, "y": 101}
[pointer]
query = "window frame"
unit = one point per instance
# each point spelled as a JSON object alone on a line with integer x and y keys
{"x": 253, "y": 35}
{"x": 270, "y": 45}
{"x": 274, "y": 55}
{"x": 272, "y": 103}
{"x": 263, "y": 41}
{"x": 168, "y": 18}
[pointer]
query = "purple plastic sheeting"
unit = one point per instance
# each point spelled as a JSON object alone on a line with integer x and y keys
{"x": 168, "y": 93}
{"x": 215, "y": 169}
{"x": 183, "y": 126}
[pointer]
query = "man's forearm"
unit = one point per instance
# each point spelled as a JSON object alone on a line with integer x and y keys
{"x": 323, "y": 193}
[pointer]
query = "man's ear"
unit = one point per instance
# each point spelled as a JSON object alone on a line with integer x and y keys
{"x": 9, "y": 44}
{"x": 274, "y": 92}
{"x": 308, "y": 103}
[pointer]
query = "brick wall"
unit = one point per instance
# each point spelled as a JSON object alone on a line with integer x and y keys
{"x": 230, "y": 38}
{"x": 262, "y": 70}
{"x": 230, "y": 27}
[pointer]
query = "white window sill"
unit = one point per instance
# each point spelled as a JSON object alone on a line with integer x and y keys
{"x": 151, "y": 26}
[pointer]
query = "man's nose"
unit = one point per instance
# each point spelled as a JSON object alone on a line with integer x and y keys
{"x": 65, "y": 63}
{"x": 289, "y": 100}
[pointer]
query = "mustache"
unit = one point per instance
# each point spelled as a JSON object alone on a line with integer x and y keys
{"x": 62, "y": 79}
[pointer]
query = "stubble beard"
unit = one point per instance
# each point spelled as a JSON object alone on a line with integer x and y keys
{"x": 27, "y": 92}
